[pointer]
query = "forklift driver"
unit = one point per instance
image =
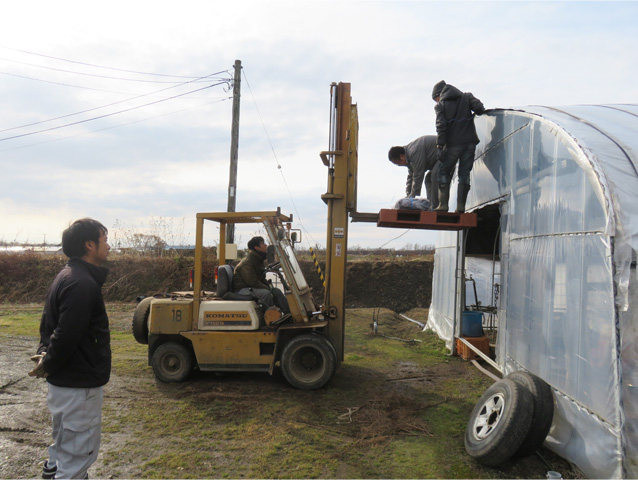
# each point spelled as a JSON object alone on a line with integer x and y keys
{"x": 250, "y": 277}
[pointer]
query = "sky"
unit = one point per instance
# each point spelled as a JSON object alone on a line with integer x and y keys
{"x": 104, "y": 111}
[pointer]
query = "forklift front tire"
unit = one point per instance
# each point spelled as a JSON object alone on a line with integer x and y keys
{"x": 172, "y": 362}
{"x": 308, "y": 361}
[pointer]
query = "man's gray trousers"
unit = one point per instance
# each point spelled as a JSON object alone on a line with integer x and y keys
{"x": 77, "y": 426}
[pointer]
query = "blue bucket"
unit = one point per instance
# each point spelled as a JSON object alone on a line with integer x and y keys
{"x": 472, "y": 324}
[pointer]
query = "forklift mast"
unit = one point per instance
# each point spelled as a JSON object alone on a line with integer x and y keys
{"x": 341, "y": 199}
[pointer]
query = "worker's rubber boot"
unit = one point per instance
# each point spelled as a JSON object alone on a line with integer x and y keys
{"x": 444, "y": 198}
{"x": 461, "y": 197}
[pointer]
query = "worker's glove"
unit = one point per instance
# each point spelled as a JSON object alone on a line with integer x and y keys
{"x": 38, "y": 370}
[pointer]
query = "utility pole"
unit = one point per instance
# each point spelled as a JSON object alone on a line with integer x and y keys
{"x": 234, "y": 149}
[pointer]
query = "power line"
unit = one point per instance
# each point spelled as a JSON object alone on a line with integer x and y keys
{"x": 393, "y": 239}
{"x": 87, "y": 74}
{"x": 103, "y": 106}
{"x": 66, "y": 84}
{"x": 114, "y": 126}
{"x": 108, "y": 114}
{"x": 103, "y": 67}
{"x": 284, "y": 178}
{"x": 276, "y": 159}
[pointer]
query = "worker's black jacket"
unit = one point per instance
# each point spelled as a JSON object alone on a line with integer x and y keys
{"x": 250, "y": 273}
{"x": 454, "y": 117}
{"x": 74, "y": 329}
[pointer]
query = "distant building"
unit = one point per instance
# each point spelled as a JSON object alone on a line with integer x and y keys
{"x": 48, "y": 249}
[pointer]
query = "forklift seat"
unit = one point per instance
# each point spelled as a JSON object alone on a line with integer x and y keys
{"x": 225, "y": 284}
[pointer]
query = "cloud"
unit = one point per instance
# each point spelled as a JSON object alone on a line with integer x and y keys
{"x": 171, "y": 159}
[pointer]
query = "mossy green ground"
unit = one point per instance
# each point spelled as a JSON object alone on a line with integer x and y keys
{"x": 397, "y": 408}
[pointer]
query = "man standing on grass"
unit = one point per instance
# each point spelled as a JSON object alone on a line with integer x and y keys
{"x": 74, "y": 354}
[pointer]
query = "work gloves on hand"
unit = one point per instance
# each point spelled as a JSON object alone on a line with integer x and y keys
{"x": 38, "y": 370}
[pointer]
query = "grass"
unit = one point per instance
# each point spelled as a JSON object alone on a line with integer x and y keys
{"x": 395, "y": 409}
{"x": 20, "y": 320}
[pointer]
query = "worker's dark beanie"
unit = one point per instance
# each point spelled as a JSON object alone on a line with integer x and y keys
{"x": 436, "y": 91}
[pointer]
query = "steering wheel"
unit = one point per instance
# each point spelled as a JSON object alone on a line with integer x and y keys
{"x": 273, "y": 266}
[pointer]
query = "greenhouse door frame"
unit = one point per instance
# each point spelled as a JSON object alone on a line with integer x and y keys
{"x": 491, "y": 217}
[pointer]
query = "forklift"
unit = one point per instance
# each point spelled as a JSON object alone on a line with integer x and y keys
{"x": 222, "y": 331}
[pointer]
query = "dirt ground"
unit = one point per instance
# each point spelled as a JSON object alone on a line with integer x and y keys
{"x": 25, "y": 423}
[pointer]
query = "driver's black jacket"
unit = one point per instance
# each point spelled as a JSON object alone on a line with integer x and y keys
{"x": 250, "y": 272}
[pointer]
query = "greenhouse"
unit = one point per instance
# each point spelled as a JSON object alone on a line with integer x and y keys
{"x": 552, "y": 265}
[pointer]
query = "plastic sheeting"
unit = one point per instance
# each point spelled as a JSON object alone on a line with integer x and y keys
{"x": 629, "y": 361}
{"x": 442, "y": 309}
{"x": 566, "y": 182}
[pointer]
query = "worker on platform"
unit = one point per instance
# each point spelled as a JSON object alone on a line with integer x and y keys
{"x": 456, "y": 140}
{"x": 420, "y": 156}
{"x": 250, "y": 277}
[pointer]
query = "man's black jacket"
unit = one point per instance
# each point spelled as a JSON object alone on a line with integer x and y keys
{"x": 455, "y": 117}
{"x": 250, "y": 273}
{"x": 74, "y": 329}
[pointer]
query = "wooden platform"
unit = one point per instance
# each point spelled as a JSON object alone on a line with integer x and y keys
{"x": 466, "y": 353}
{"x": 426, "y": 220}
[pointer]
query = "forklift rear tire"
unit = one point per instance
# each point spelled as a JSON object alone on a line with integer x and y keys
{"x": 172, "y": 362}
{"x": 140, "y": 320}
{"x": 308, "y": 361}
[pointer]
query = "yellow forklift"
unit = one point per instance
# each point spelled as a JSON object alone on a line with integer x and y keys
{"x": 221, "y": 331}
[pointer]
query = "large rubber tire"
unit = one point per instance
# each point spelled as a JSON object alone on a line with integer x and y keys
{"x": 172, "y": 362}
{"x": 499, "y": 423}
{"x": 140, "y": 320}
{"x": 543, "y": 411}
{"x": 308, "y": 361}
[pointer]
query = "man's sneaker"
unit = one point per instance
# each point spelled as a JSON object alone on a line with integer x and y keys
{"x": 48, "y": 472}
